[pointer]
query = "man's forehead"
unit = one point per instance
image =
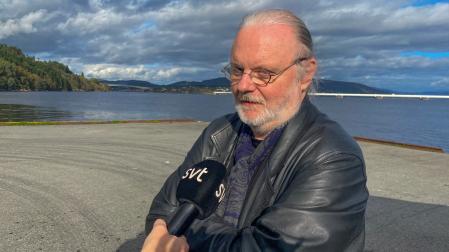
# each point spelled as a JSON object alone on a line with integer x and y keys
{"x": 263, "y": 42}
{"x": 266, "y": 34}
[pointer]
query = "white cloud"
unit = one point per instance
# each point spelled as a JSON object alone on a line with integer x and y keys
{"x": 100, "y": 21}
{"x": 10, "y": 9}
{"x": 385, "y": 61}
{"x": 173, "y": 72}
{"x": 108, "y": 71}
{"x": 414, "y": 18}
{"x": 139, "y": 72}
{"x": 24, "y": 24}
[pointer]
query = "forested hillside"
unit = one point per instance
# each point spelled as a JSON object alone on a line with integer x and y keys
{"x": 20, "y": 72}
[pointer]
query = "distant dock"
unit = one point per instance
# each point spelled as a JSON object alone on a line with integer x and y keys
{"x": 222, "y": 92}
{"x": 377, "y": 96}
{"x": 381, "y": 96}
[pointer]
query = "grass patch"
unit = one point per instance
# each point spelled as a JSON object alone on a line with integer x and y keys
{"x": 27, "y": 123}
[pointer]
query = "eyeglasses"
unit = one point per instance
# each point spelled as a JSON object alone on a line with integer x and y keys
{"x": 260, "y": 77}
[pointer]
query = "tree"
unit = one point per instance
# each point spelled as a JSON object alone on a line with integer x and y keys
{"x": 21, "y": 72}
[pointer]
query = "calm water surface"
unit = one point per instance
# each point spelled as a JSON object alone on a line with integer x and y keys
{"x": 404, "y": 120}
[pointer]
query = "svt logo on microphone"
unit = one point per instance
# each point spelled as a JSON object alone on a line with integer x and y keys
{"x": 193, "y": 172}
{"x": 220, "y": 193}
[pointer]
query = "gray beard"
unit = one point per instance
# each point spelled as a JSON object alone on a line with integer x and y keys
{"x": 264, "y": 117}
{"x": 260, "y": 123}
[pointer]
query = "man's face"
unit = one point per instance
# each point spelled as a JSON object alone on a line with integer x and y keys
{"x": 270, "y": 47}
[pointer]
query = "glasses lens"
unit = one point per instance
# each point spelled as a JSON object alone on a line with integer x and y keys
{"x": 235, "y": 73}
{"x": 260, "y": 77}
{"x": 227, "y": 72}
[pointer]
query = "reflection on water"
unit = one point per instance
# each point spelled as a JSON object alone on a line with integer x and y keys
{"x": 21, "y": 113}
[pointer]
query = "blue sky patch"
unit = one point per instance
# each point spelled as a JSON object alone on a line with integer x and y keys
{"x": 144, "y": 26}
{"x": 427, "y": 2}
{"x": 432, "y": 55}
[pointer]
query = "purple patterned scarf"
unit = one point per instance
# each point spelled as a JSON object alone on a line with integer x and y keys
{"x": 246, "y": 160}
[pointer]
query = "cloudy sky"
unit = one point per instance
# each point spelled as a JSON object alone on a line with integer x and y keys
{"x": 395, "y": 44}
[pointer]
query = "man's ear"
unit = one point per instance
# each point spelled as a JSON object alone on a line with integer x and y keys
{"x": 310, "y": 67}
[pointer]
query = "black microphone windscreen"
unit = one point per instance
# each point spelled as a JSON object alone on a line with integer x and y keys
{"x": 202, "y": 186}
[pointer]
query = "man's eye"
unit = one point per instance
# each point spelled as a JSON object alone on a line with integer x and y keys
{"x": 263, "y": 74}
{"x": 236, "y": 71}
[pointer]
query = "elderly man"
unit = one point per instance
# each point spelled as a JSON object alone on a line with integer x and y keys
{"x": 296, "y": 180}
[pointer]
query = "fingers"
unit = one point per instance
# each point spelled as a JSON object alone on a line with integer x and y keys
{"x": 178, "y": 244}
{"x": 159, "y": 227}
{"x": 184, "y": 246}
{"x": 160, "y": 222}
{"x": 160, "y": 240}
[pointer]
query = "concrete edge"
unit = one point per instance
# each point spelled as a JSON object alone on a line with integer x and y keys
{"x": 398, "y": 144}
{"x": 358, "y": 138}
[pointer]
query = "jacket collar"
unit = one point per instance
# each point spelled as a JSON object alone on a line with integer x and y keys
{"x": 225, "y": 137}
{"x": 295, "y": 128}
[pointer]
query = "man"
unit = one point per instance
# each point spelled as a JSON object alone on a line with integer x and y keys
{"x": 296, "y": 181}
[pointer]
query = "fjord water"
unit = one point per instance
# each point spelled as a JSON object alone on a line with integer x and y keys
{"x": 423, "y": 122}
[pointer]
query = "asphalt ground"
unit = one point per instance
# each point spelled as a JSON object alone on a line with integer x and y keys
{"x": 89, "y": 187}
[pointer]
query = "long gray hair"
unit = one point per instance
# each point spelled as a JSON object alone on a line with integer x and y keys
{"x": 286, "y": 17}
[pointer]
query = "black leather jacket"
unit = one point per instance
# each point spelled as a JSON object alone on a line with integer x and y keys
{"x": 310, "y": 195}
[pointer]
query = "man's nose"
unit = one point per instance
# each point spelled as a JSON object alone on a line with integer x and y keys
{"x": 246, "y": 84}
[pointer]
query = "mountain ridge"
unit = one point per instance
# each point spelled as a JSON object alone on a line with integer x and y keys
{"x": 19, "y": 72}
{"x": 322, "y": 85}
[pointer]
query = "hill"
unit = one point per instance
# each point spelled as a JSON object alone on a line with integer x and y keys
{"x": 211, "y": 85}
{"x": 331, "y": 86}
{"x": 206, "y": 86}
{"x": 19, "y": 72}
{"x": 216, "y": 82}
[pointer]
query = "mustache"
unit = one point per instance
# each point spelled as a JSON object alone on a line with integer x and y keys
{"x": 249, "y": 98}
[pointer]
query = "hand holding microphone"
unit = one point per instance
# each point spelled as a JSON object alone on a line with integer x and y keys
{"x": 160, "y": 240}
{"x": 199, "y": 193}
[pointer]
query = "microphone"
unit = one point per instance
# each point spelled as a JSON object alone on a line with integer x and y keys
{"x": 199, "y": 193}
